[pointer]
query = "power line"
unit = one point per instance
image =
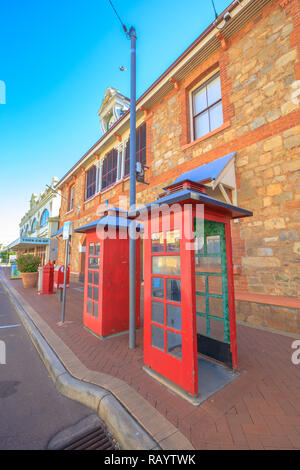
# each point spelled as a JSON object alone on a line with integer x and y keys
{"x": 118, "y": 16}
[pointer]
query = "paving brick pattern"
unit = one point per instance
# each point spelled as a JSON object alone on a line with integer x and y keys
{"x": 259, "y": 410}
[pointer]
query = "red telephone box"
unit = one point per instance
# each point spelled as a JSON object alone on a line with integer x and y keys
{"x": 189, "y": 308}
{"x": 106, "y": 283}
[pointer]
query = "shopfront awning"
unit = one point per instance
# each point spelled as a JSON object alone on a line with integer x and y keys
{"x": 24, "y": 243}
{"x": 57, "y": 233}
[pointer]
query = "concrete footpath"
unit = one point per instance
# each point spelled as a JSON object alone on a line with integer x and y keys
{"x": 97, "y": 390}
{"x": 259, "y": 410}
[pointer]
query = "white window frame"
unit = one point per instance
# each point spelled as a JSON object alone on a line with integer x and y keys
{"x": 202, "y": 82}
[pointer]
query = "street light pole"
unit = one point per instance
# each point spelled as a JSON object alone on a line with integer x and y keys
{"x": 132, "y": 193}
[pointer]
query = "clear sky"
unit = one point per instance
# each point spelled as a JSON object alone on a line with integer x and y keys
{"x": 57, "y": 58}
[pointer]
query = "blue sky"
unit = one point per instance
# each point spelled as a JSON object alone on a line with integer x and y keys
{"x": 57, "y": 58}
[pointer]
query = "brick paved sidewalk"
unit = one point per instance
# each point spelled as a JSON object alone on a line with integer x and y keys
{"x": 259, "y": 410}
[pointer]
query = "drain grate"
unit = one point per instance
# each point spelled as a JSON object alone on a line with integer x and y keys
{"x": 96, "y": 440}
{"x": 88, "y": 434}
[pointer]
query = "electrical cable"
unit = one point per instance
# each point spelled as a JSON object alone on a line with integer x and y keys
{"x": 119, "y": 18}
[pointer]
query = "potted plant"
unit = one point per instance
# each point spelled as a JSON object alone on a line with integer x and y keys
{"x": 28, "y": 267}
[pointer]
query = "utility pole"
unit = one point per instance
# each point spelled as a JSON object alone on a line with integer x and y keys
{"x": 131, "y": 34}
{"x": 132, "y": 193}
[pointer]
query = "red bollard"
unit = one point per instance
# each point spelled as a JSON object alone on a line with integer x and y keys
{"x": 48, "y": 279}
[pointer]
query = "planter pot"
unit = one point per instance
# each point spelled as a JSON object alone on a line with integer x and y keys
{"x": 30, "y": 279}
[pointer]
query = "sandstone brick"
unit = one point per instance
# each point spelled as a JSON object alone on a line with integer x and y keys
{"x": 272, "y": 143}
{"x": 273, "y": 189}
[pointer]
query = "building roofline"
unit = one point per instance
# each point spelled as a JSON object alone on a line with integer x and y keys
{"x": 236, "y": 4}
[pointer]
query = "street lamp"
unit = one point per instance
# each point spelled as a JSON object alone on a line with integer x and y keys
{"x": 132, "y": 191}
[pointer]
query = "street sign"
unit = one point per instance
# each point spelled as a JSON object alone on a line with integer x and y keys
{"x": 67, "y": 230}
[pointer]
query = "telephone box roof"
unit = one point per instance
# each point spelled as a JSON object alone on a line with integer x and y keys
{"x": 191, "y": 192}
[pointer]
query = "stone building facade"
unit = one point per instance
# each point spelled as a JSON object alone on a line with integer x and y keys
{"x": 249, "y": 70}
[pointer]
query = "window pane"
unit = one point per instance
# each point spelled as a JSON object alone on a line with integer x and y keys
{"x": 96, "y": 292}
{"x": 93, "y": 262}
{"x": 201, "y": 325}
{"x": 173, "y": 241}
{"x": 214, "y": 91}
{"x": 96, "y": 278}
{"x": 199, "y": 100}
{"x": 157, "y": 243}
{"x": 201, "y": 124}
{"x": 158, "y": 312}
{"x": 91, "y": 249}
{"x": 174, "y": 344}
{"x": 158, "y": 287}
{"x": 213, "y": 245}
{"x": 174, "y": 290}
{"x": 166, "y": 265}
{"x": 208, "y": 264}
{"x": 158, "y": 337}
{"x": 174, "y": 317}
{"x": 216, "y": 307}
{"x": 215, "y": 285}
{"x": 95, "y": 309}
{"x": 90, "y": 277}
{"x": 89, "y": 306}
{"x": 97, "y": 249}
{"x": 200, "y": 304}
{"x": 200, "y": 283}
{"x": 90, "y": 292}
{"x": 216, "y": 116}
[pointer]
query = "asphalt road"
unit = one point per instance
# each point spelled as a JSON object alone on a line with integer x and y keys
{"x": 31, "y": 409}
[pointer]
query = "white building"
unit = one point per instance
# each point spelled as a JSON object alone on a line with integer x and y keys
{"x": 38, "y": 224}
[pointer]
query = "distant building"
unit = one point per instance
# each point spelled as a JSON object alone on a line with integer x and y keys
{"x": 38, "y": 224}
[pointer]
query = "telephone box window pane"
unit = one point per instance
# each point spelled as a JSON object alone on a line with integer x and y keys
{"x": 216, "y": 329}
{"x": 173, "y": 241}
{"x": 93, "y": 262}
{"x": 174, "y": 317}
{"x": 90, "y": 292}
{"x": 174, "y": 290}
{"x": 95, "y": 309}
{"x": 215, "y": 285}
{"x": 200, "y": 304}
{"x": 158, "y": 287}
{"x": 157, "y": 243}
{"x": 216, "y": 307}
{"x": 201, "y": 325}
{"x": 90, "y": 277}
{"x": 213, "y": 245}
{"x": 199, "y": 248}
{"x": 200, "y": 283}
{"x": 166, "y": 265}
{"x": 96, "y": 293}
{"x": 97, "y": 249}
{"x": 208, "y": 264}
{"x": 89, "y": 306}
{"x": 158, "y": 312}
{"x": 91, "y": 249}
{"x": 158, "y": 337}
{"x": 96, "y": 278}
{"x": 174, "y": 344}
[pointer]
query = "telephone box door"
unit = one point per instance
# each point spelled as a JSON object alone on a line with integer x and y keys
{"x": 93, "y": 278}
{"x": 212, "y": 305}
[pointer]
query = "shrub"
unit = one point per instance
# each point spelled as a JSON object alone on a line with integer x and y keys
{"x": 28, "y": 263}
